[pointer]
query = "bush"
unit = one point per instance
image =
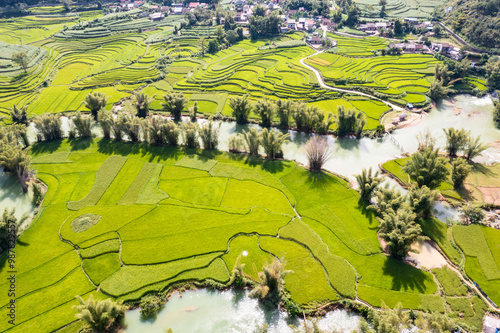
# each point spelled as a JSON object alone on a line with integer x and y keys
{"x": 99, "y": 316}
{"x": 460, "y": 169}
{"x": 473, "y": 214}
{"x": 19, "y": 115}
{"x": 150, "y": 305}
{"x": 37, "y": 194}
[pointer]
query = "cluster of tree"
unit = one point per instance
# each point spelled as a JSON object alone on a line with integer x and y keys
{"x": 270, "y": 140}
{"x": 492, "y": 73}
{"x": 315, "y": 7}
{"x": 9, "y": 224}
{"x": 496, "y": 114}
{"x": 446, "y": 75}
{"x": 308, "y": 119}
{"x": 478, "y": 21}
{"x": 262, "y": 25}
{"x": 349, "y": 8}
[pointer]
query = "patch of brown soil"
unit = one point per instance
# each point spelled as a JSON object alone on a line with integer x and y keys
{"x": 490, "y": 194}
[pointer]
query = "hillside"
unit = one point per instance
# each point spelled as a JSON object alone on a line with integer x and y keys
{"x": 478, "y": 21}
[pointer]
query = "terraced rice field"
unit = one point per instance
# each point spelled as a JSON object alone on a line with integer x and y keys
{"x": 353, "y": 63}
{"x": 399, "y": 8}
{"x": 117, "y": 218}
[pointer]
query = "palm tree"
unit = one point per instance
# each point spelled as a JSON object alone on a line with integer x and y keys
{"x": 82, "y": 125}
{"x": 99, "y": 316}
{"x": 190, "y": 134}
{"x": 284, "y": 109}
{"x": 317, "y": 152}
{"x": 474, "y": 148}
{"x": 141, "y": 104}
{"x": 193, "y": 111}
{"x": 456, "y": 139}
{"x": 19, "y": 115}
{"x": 265, "y": 109}
{"x": 252, "y": 140}
{"x": 427, "y": 168}
{"x": 323, "y": 122}
{"x": 272, "y": 142}
{"x": 271, "y": 284}
{"x": 95, "y": 102}
{"x": 105, "y": 119}
{"x": 368, "y": 183}
{"x": 175, "y": 103}
{"x": 350, "y": 121}
{"x": 241, "y": 109}
{"x": 132, "y": 126}
{"x": 48, "y": 127}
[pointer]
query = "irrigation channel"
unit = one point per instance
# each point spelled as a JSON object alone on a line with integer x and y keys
{"x": 233, "y": 312}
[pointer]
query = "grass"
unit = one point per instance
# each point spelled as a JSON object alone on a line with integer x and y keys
{"x": 111, "y": 245}
{"x": 99, "y": 268}
{"x": 83, "y": 222}
{"x": 450, "y": 281}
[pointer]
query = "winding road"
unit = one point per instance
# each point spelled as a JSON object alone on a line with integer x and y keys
{"x": 322, "y": 83}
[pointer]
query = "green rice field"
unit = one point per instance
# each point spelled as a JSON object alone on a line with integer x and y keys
{"x": 117, "y": 218}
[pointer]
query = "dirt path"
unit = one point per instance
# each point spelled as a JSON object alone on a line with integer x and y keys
{"x": 322, "y": 83}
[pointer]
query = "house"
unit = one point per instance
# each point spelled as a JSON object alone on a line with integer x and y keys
{"x": 331, "y": 26}
{"x": 444, "y": 47}
{"x": 291, "y": 24}
{"x": 193, "y": 5}
{"x": 382, "y": 25}
{"x": 409, "y": 47}
{"x": 292, "y": 12}
{"x": 302, "y": 9}
{"x": 325, "y": 21}
{"x": 156, "y": 16}
{"x": 154, "y": 7}
{"x": 315, "y": 40}
{"x": 177, "y": 10}
{"x": 411, "y": 20}
{"x": 310, "y": 25}
{"x": 369, "y": 27}
{"x": 284, "y": 29}
{"x": 164, "y": 9}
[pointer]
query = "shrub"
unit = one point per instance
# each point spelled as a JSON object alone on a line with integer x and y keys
{"x": 271, "y": 284}
{"x": 175, "y": 103}
{"x": 82, "y": 125}
{"x": 473, "y": 214}
{"x": 272, "y": 142}
{"x": 190, "y": 134}
{"x": 209, "y": 135}
{"x": 48, "y": 127}
{"x": 252, "y": 141}
{"x": 241, "y": 108}
{"x": 460, "y": 169}
{"x": 150, "y": 305}
{"x": 317, "y": 152}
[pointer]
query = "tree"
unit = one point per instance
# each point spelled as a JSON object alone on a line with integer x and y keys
{"x": 8, "y": 224}
{"x": 21, "y": 59}
{"x": 141, "y": 104}
{"x": 382, "y": 2}
{"x": 19, "y": 115}
{"x": 132, "y": 126}
{"x": 193, "y": 111}
{"x": 427, "y": 168}
{"x": 271, "y": 283}
{"x": 235, "y": 143}
{"x": 400, "y": 231}
{"x": 422, "y": 200}
{"x": 48, "y": 127}
{"x": 238, "y": 278}
{"x": 95, "y": 102}
{"x": 349, "y": 121}
{"x": 456, "y": 140}
{"x": 105, "y": 119}
{"x": 474, "y": 148}
{"x": 265, "y": 109}
{"x": 174, "y": 104}
{"x": 460, "y": 169}
{"x": 213, "y": 46}
{"x": 437, "y": 90}
{"x": 232, "y": 37}
{"x": 99, "y": 316}
{"x": 496, "y": 114}
{"x": 82, "y": 125}
{"x": 398, "y": 27}
{"x": 241, "y": 109}
{"x": 425, "y": 140}
{"x": 317, "y": 152}
{"x": 209, "y": 135}
{"x": 259, "y": 11}
{"x": 190, "y": 133}
{"x": 252, "y": 140}
{"x": 387, "y": 198}
{"x": 272, "y": 142}
{"x": 368, "y": 183}
{"x": 284, "y": 108}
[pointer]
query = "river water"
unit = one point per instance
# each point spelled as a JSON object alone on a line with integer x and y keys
{"x": 204, "y": 311}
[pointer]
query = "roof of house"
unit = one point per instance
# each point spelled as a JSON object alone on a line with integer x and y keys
{"x": 194, "y": 4}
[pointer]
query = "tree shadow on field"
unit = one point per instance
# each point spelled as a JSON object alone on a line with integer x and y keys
{"x": 319, "y": 180}
{"x": 273, "y": 166}
{"x": 404, "y": 277}
{"x": 479, "y": 168}
{"x": 155, "y": 153}
{"x": 45, "y": 147}
{"x": 368, "y": 213}
{"x": 80, "y": 144}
